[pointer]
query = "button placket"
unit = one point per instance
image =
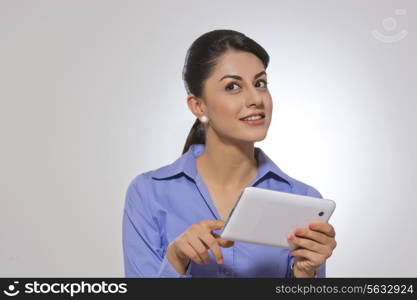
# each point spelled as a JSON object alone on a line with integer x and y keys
{"x": 226, "y": 270}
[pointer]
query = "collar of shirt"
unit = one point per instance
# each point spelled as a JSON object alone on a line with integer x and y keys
{"x": 185, "y": 164}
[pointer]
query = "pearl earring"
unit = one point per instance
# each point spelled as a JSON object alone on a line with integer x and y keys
{"x": 203, "y": 119}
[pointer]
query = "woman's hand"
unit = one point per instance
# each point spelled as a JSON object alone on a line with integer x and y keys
{"x": 193, "y": 244}
{"x": 316, "y": 243}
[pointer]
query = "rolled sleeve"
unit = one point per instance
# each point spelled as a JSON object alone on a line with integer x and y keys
{"x": 290, "y": 262}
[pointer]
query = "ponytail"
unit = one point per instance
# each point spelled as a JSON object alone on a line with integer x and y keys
{"x": 197, "y": 135}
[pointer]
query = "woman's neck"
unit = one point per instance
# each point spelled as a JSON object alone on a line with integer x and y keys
{"x": 228, "y": 167}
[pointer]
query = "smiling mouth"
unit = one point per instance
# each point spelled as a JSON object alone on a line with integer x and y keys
{"x": 256, "y": 122}
{"x": 257, "y": 119}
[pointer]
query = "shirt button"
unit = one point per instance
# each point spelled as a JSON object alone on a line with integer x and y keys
{"x": 227, "y": 271}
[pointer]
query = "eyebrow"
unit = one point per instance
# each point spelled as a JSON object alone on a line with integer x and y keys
{"x": 240, "y": 78}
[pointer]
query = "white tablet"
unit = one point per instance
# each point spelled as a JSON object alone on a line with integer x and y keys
{"x": 265, "y": 217}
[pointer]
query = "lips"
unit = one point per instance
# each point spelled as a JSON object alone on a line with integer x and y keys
{"x": 257, "y": 122}
{"x": 254, "y": 114}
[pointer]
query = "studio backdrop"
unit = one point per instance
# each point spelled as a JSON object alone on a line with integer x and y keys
{"x": 91, "y": 95}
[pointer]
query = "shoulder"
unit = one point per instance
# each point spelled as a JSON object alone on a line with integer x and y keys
{"x": 139, "y": 188}
{"x": 140, "y": 181}
{"x": 143, "y": 184}
{"x": 147, "y": 176}
{"x": 302, "y": 188}
{"x": 294, "y": 185}
{"x": 140, "y": 195}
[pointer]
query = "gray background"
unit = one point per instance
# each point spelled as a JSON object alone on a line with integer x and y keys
{"x": 91, "y": 95}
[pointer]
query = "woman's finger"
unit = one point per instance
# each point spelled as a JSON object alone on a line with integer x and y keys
{"x": 199, "y": 247}
{"x": 308, "y": 244}
{"x": 323, "y": 227}
{"x": 223, "y": 243}
{"x": 313, "y": 235}
{"x": 316, "y": 258}
{"x": 189, "y": 251}
{"x": 212, "y": 224}
{"x": 213, "y": 245}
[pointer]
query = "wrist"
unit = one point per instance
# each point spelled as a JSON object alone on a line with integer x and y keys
{"x": 180, "y": 265}
{"x": 297, "y": 273}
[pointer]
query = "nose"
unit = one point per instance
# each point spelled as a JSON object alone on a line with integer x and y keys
{"x": 253, "y": 97}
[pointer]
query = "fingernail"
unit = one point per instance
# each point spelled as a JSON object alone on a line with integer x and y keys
{"x": 312, "y": 225}
{"x": 290, "y": 237}
{"x": 220, "y": 261}
{"x": 298, "y": 231}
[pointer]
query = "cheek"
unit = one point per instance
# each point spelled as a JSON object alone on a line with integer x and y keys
{"x": 269, "y": 107}
{"x": 268, "y": 103}
{"x": 226, "y": 110}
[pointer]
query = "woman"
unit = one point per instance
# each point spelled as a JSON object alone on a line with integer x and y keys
{"x": 172, "y": 213}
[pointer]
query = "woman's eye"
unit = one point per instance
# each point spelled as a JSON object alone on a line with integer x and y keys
{"x": 231, "y": 85}
{"x": 264, "y": 81}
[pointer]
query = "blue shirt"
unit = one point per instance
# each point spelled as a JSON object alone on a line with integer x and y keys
{"x": 161, "y": 204}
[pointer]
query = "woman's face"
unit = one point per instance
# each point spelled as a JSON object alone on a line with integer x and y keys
{"x": 229, "y": 99}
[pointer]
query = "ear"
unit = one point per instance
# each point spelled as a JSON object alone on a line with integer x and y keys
{"x": 196, "y": 105}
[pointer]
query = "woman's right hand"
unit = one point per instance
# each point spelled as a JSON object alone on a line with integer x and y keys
{"x": 193, "y": 244}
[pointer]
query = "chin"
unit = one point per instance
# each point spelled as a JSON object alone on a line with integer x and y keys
{"x": 256, "y": 138}
{"x": 246, "y": 137}
{"x": 260, "y": 139}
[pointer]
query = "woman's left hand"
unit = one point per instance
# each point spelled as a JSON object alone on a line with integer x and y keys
{"x": 316, "y": 243}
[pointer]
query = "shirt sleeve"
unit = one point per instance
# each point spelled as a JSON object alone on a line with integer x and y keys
{"x": 143, "y": 251}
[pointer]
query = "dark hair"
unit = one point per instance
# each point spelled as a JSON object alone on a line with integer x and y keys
{"x": 200, "y": 60}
